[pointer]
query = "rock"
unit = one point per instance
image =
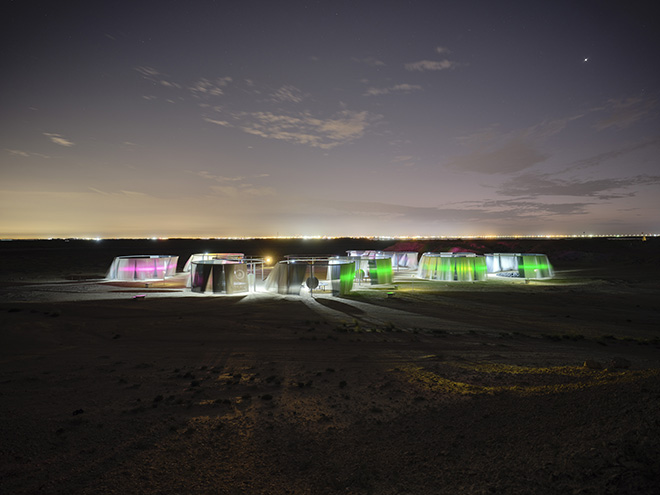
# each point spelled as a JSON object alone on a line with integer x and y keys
{"x": 592, "y": 364}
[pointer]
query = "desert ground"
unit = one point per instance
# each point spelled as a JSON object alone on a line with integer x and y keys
{"x": 417, "y": 387}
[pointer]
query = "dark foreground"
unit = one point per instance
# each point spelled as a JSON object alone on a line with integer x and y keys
{"x": 273, "y": 394}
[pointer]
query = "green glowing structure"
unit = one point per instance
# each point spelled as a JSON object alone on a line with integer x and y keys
{"x": 380, "y": 271}
{"x": 341, "y": 276}
{"x": 452, "y": 267}
{"x": 534, "y": 266}
{"x": 375, "y": 266}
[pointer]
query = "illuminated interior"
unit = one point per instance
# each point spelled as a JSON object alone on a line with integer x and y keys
{"x": 516, "y": 265}
{"x": 452, "y": 267}
{"x": 376, "y": 267}
{"x": 400, "y": 259}
{"x": 143, "y": 267}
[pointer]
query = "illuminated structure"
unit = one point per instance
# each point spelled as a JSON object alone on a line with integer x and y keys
{"x": 404, "y": 259}
{"x": 212, "y": 256}
{"x": 291, "y": 275}
{"x": 373, "y": 269}
{"x": 452, "y": 267}
{"x": 516, "y": 265}
{"x": 220, "y": 276}
{"x": 373, "y": 265}
{"x": 400, "y": 259}
{"x": 142, "y": 267}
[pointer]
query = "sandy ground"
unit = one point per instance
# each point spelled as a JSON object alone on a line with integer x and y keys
{"x": 438, "y": 388}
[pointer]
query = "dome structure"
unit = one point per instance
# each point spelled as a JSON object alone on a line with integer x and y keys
{"x": 142, "y": 267}
{"x": 452, "y": 267}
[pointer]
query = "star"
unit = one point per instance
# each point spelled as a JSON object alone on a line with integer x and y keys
{"x": 586, "y": 59}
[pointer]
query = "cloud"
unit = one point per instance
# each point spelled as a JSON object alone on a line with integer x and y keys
{"x": 549, "y": 128}
{"x": 223, "y": 123}
{"x": 243, "y": 190}
{"x": 205, "y": 87}
{"x": 236, "y": 186}
{"x": 397, "y": 88}
{"x": 503, "y": 211}
{"x": 148, "y": 72}
{"x": 304, "y": 128}
{"x": 169, "y": 84}
{"x": 513, "y": 156}
{"x": 482, "y": 137}
{"x": 626, "y": 112}
{"x": 528, "y": 208}
{"x": 433, "y": 65}
{"x": 25, "y": 153}
{"x": 514, "y": 151}
{"x": 287, "y": 93}
{"x": 536, "y": 132}
{"x": 496, "y": 151}
{"x": 602, "y": 189}
{"x": 17, "y": 152}
{"x": 133, "y": 193}
{"x": 222, "y": 179}
{"x": 595, "y": 160}
{"x": 58, "y": 139}
{"x": 157, "y": 77}
{"x": 98, "y": 191}
{"x": 301, "y": 127}
{"x": 405, "y": 160}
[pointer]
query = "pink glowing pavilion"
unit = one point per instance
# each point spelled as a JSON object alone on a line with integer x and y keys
{"x": 143, "y": 267}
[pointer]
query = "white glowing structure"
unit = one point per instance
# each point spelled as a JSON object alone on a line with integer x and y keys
{"x": 405, "y": 259}
{"x": 452, "y": 267}
{"x": 400, "y": 259}
{"x": 142, "y": 267}
{"x": 211, "y": 256}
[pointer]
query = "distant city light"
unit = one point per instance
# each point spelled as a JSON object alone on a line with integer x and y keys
{"x": 638, "y": 235}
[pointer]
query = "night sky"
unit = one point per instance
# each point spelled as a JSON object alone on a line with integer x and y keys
{"x": 264, "y": 118}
